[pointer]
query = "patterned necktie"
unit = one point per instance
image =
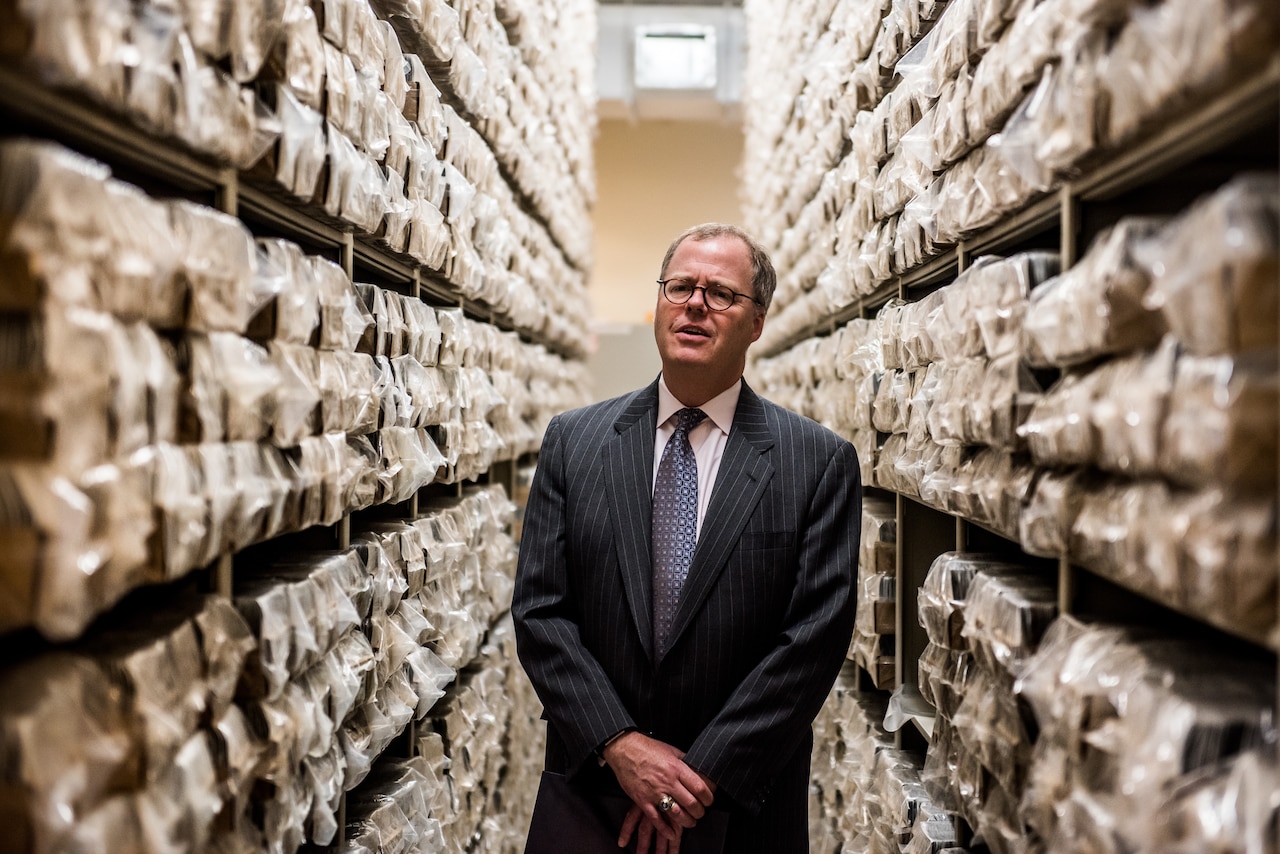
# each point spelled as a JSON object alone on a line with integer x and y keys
{"x": 675, "y": 523}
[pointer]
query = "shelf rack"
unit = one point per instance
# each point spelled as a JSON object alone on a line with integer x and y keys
{"x": 1196, "y": 147}
{"x": 1245, "y": 107}
{"x": 35, "y": 108}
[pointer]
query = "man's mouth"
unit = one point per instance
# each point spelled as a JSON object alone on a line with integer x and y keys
{"x": 692, "y": 330}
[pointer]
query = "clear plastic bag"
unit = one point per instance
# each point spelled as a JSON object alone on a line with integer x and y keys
{"x": 1095, "y": 308}
{"x": 80, "y": 45}
{"x": 1220, "y": 423}
{"x": 1213, "y": 269}
{"x": 1006, "y": 614}
{"x": 218, "y": 259}
{"x": 1058, "y": 430}
{"x": 301, "y": 151}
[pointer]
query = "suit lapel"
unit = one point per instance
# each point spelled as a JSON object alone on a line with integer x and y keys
{"x": 628, "y": 466}
{"x": 744, "y": 473}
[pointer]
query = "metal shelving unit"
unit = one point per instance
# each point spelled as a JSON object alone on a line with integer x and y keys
{"x": 36, "y": 109}
{"x": 1172, "y": 163}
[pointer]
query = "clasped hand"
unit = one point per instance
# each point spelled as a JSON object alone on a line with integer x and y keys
{"x": 647, "y": 769}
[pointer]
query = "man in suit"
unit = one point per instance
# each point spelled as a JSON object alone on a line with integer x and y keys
{"x": 680, "y": 660}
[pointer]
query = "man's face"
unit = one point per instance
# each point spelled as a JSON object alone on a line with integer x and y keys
{"x": 692, "y": 337}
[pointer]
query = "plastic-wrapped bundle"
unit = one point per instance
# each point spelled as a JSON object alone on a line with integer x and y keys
{"x": 920, "y": 402}
{"x": 988, "y": 485}
{"x": 215, "y": 115}
{"x": 988, "y": 721}
{"x": 1063, "y": 119}
{"x": 1111, "y": 417}
{"x": 1213, "y": 269}
{"x": 231, "y": 389}
{"x": 159, "y": 665}
{"x": 389, "y": 812}
{"x": 933, "y": 472}
{"x": 982, "y": 310}
{"x": 81, "y": 238}
{"x": 955, "y": 380}
{"x": 878, "y": 545}
{"x": 290, "y": 310}
{"x": 1180, "y": 50}
{"x": 1223, "y": 808}
{"x": 343, "y": 315}
{"x": 355, "y": 188}
{"x": 919, "y": 319}
{"x": 876, "y": 598}
{"x": 297, "y": 159}
{"x": 1054, "y": 501}
{"x": 283, "y": 606}
{"x": 949, "y": 673}
{"x": 1220, "y": 426}
{"x": 422, "y": 104}
{"x": 895, "y": 799}
{"x": 1058, "y": 430}
{"x": 1095, "y": 308}
{"x": 109, "y": 738}
{"x": 86, "y": 388}
{"x": 1224, "y": 549}
{"x": 847, "y": 734}
{"x": 1128, "y": 724}
{"x": 942, "y": 596}
{"x": 1205, "y": 552}
{"x": 889, "y": 411}
{"x": 933, "y": 835}
{"x": 1006, "y": 613}
{"x": 1000, "y": 403}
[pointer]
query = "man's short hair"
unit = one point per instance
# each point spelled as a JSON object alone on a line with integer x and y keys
{"x": 763, "y": 278}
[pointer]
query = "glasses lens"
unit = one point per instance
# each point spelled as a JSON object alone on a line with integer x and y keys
{"x": 719, "y": 297}
{"x": 678, "y": 290}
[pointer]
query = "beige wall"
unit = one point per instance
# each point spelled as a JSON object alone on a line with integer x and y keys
{"x": 655, "y": 179}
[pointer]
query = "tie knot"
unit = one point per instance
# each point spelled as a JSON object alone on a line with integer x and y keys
{"x": 688, "y": 418}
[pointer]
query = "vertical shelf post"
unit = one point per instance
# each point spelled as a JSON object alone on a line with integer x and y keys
{"x": 931, "y": 532}
{"x": 228, "y": 193}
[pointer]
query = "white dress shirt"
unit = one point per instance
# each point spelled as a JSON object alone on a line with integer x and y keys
{"x": 707, "y": 439}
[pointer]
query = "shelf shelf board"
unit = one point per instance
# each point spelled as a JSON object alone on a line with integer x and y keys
{"x": 1039, "y": 216}
{"x": 1260, "y": 640}
{"x": 89, "y": 129}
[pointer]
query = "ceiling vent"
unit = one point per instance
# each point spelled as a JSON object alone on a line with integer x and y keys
{"x": 670, "y": 62}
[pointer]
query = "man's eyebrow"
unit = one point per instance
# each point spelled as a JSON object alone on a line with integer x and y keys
{"x": 713, "y": 280}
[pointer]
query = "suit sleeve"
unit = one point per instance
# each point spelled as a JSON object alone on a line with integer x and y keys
{"x": 768, "y": 717}
{"x": 579, "y": 699}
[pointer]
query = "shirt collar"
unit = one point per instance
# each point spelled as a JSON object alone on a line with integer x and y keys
{"x": 718, "y": 409}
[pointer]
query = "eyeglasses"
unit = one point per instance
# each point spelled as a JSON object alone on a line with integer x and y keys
{"x": 717, "y": 297}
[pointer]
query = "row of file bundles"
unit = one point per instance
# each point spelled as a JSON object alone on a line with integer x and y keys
{"x": 872, "y": 643}
{"x": 1126, "y": 728}
{"x": 996, "y": 103}
{"x": 847, "y": 735}
{"x": 241, "y": 723}
{"x": 470, "y": 777}
{"x": 182, "y": 390}
{"x": 340, "y": 118}
{"x": 1152, "y": 459}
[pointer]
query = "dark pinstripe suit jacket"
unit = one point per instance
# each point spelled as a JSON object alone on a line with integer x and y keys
{"x": 764, "y": 619}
